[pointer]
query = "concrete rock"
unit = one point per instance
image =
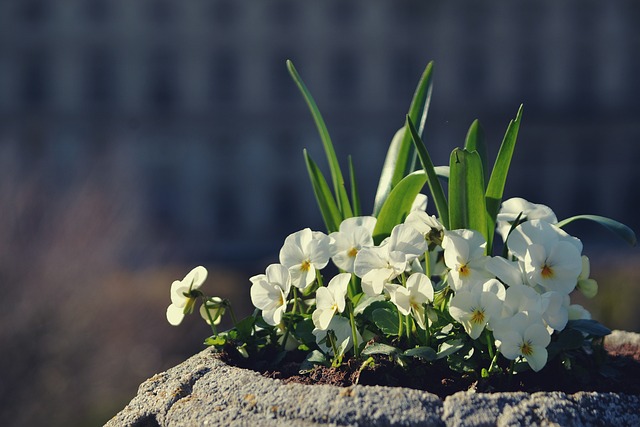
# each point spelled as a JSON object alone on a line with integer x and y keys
{"x": 204, "y": 391}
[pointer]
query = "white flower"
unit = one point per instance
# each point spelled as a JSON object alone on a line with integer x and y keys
{"x": 183, "y": 297}
{"x": 354, "y": 234}
{"x": 551, "y": 258}
{"x": 330, "y": 300}
{"x": 407, "y": 240}
{"x": 556, "y": 313}
{"x": 511, "y": 208}
{"x": 213, "y": 309}
{"x": 509, "y": 272}
{"x": 465, "y": 258}
{"x": 269, "y": 292}
{"x": 303, "y": 253}
{"x": 523, "y": 298}
{"x": 476, "y": 306}
{"x": 427, "y": 225}
{"x": 411, "y": 299}
{"x": 341, "y": 327}
{"x": 420, "y": 203}
{"x": 377, "y": 266}
{"x": 524, "y": 336}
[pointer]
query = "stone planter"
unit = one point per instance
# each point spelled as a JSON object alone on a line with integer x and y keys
{"x": 205, "y": 391}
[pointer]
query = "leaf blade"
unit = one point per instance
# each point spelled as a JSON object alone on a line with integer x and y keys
{"x": 618, "y": 228}
{"x": 327, "y": 204}
{"x": 339, "y": 189}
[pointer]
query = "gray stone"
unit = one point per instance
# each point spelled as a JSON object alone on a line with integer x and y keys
{"x": 205, "y": 391}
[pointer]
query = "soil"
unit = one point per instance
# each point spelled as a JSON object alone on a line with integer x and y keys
{"x": 619, "y": 372}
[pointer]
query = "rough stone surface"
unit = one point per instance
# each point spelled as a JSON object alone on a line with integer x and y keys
{"x": 204, "y": 391}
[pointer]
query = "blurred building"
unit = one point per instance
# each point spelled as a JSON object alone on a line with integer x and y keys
{"x": 195, "y": 98}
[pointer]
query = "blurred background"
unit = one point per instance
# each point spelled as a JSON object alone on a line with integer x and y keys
{"x": 139, "y": 139}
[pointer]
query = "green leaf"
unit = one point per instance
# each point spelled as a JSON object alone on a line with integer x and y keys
{"x": 327, "y": 204}
{"x": 398, "y": 204}
{"x": 245, "y": 328}
{"x": 466, "y": 192}
{"x": 379, "y": 348}
{"x": 448, "y": 348}
{"x": 398, "y": 157}
{"x": 334, "y": 166}
{"x": 388, "y": 168}
{"x": 432, "y": 178}
{"x": 616, "y": 227}
{"x": 495, "y": 187}
{"x": 386, "y": 320}
{"x": 424, "y": 353}
{"x": 216, "y": 340}
{"x": 589, "y": 326}
{"x": 475, "y": 142}
{"x": 303, "y": 330}
{"x": 355, "y": 195}
{"x": 316, "y": 357}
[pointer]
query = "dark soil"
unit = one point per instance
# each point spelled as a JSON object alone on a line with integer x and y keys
{"x": 619, "y": 372}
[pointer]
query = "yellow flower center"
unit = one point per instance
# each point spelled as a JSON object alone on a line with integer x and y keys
{"x": 352, "y": 252}
{"x": 306, "y": 265}
{"x": 464, "y": 270}
{"x": 547, "y": 272}
{"x": 477, "y": 316}
{"x": 526, "y": 348}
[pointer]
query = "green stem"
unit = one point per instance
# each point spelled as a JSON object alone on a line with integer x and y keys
{"x": 489, "y": 343}
{"x": 427, "y": 264}
{"x": 211, "y": 320}
{"x": 295, "y": 300}
{"x": 407, "y": 320}
{"x": 354, "y": 330}
{"x": 400, "y": 323}
{"x": 319, "y": 278}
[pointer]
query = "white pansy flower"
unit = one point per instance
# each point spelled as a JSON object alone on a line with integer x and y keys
{"x": 556, "y": 314}
{"x": 213, "y": 309}
{"x": 523, "y": 298}
{"x": 427, "y": 225}
{"x": 354, "y": 234}
{"x": 269, "y": 292}
{"x": 509, "y": 272}
{"x": 465, "y": 258}
{"x": 420, "y": 203}
{"x": 513, "y": 207}
{"x": 303, "y": 253}
{"x": 523, "y": 336}
{"x": 377, "y": 266}
{"x": 411, "y": 300}
{"x": 551, "y": 258}
{"x": 475, "y": 307}
{"x": 183, "y": 297}
{"x": 341, "y": 327}
{"x": 407, "y": 240}
{"x": 330, "y": 300}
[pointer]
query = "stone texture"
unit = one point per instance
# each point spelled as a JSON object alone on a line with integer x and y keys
{"x": 204, "y": 391}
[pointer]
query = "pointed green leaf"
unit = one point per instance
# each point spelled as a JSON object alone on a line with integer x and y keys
{"x": 398, "y": 204}
{"x": 355, "y": 195}
{"x": 435, "y": 187}
{"x": 336, "y": 174}
{"x": 398, "y": 157}
{"x": 616, "y": 227}
{"x": 424, "y": 353}
{"x": 380, "y": 348}
{"x": 328, "y": 208}
{"x": 388, "y": 168}
{"x": 466, "y": 192}
{"x": 475, "y": 142}
{"x": 495, "y": 187}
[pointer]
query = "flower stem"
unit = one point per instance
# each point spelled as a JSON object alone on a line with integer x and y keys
{"x": 211, "y": 320}
{"x": 354, "y": 330}
{"x": 407, "y": 320}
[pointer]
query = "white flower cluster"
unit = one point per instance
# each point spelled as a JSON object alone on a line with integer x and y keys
{"x": 521, "y": 298}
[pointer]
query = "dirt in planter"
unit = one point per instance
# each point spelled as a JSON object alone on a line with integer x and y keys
{"x": 619, "y": 373}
